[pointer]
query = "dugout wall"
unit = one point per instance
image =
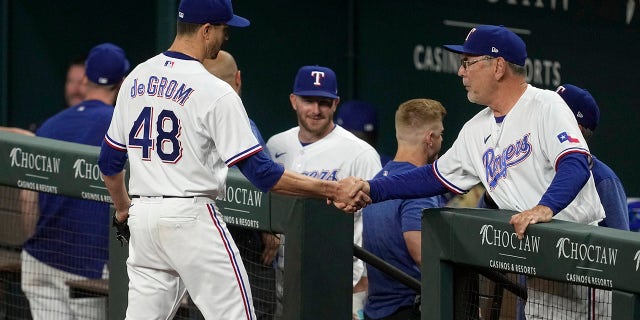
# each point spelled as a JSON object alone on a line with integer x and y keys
{"x": 317, "y": 281}
{"x": 383, "y": 52}
{"x": 319, "y": 240}
{"x": 567, "y": 252}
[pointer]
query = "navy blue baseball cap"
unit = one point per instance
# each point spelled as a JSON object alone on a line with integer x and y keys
{"x": 211, "y": 11}
{"x": 357, "y": 115}
{"x": 106, "y": 64}
{"x": 495, "y": 41}
{"x": 582, "y": 104}
{"x": 316, "y": 81}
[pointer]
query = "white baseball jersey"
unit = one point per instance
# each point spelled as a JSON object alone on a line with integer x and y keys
{"x": 338, "y": 155}
{"x": 183, "y": 128}
{"x": 516, "y": 159}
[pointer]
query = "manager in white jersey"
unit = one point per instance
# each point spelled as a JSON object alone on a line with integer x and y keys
{"x": 319, "y": 148}
{"x": 525, "y": 147}
{"x": 181, "y": 128}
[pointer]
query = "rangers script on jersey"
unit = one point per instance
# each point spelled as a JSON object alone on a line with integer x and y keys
{"x": 516, "y": 159}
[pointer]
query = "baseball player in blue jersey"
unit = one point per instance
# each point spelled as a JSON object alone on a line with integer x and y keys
{"x": 525, "y": 148}
{"x": 392, "y": 229}
{"x": 181, "y": 128}
{"x": 608, "y": 185}
{"x": 70, "y": 241}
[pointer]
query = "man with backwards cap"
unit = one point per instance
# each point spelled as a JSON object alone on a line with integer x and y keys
{"x": 70, "y": 241}
{"x": 525, "y": 148}
{"x": 181, "y": 128}
{"x": 610, "y": 189}
{"x": 319, "y": 148}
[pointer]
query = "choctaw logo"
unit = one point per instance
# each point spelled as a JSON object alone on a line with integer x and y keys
{"x": 86, "y": 170}
{"x": 247, "y": 197}
{"x": 508, "y": 239}
{"x": 587, "y": 252}
{"x": 34, "y": 161}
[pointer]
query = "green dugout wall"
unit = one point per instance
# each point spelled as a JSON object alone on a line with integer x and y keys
{"x": 319, "y": 239}
{"x": 383, "y": 52}
{"x": 559, "y": 250}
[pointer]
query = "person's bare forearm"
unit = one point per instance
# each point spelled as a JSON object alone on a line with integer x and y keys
{"x": 29, "y": 209}
{"x": 118, "y": 191}
{"x": 295, "y": 184}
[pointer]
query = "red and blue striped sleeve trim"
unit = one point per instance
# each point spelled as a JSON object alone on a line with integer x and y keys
{"x": 243, "y": 155}
{"x": 114, "y": 144}
{"x": 453, "y": 188}
{"x": 570, "y": 151}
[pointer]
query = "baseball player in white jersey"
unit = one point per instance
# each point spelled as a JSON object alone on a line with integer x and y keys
{"x": 319, "y": 148}
{"x": 180, "y": 128}
{"x": 525, "y": 148}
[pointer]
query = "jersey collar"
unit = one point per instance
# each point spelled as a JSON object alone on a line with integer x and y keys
{"x": 178, "y": 55}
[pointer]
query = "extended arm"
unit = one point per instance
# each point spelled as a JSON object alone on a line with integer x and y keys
{"x": 270, "y": 176}
{"x": 416, "y": 183}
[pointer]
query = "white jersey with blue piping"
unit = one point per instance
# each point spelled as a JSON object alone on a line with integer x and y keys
{"x": 516, "y": 159}
{"x": 336, "y": 156}
{"x": 184, "y": 128}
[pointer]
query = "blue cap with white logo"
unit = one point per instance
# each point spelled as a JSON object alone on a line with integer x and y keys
{"x": 316, "y": 81}
{"x": 495, "y": 41}
{"x": 106, "y": 64}
{"x": 582, "y": 103}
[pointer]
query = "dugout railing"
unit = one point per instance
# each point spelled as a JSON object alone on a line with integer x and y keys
{"x": 319, "y": 239}
{"x": 317, "y": 281}
{"x": 561, "y": 251}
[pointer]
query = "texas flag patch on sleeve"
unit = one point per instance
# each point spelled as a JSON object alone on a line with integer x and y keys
{"x": 564, "y": 136}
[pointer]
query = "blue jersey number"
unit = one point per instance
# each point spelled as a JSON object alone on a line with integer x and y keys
{"x": 166, "y": 140}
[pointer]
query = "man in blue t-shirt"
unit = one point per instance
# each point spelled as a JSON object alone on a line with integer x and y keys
{"x": 396, "y": 238}
{"x": 70, "y": 240}
{"x": 608, "y": 185}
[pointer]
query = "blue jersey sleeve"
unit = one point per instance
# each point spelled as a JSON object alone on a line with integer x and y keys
{"x": 572, "y": 174}
{"x": 420, "y": 182}
{"x": 111, "y": 161}
{"x": 261, "y": 171}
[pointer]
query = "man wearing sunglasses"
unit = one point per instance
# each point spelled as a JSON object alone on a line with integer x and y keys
{"x": 526, "y": 149}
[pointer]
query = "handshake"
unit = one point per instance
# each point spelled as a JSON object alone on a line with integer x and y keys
{"x": 351, "y": 194}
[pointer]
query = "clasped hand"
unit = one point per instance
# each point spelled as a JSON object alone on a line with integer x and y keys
{"x": 352, "y": 194}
